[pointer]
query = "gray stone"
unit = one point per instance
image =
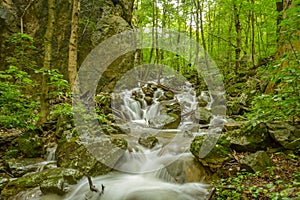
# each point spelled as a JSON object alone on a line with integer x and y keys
{"x": 286, "y": 135}
{"x": 208, "y": 154}
{"x": 169, "y": 116}
{"x": 30, "y": 181}
{"x": 148, "y": 141}
{"x": 203, "y": 115}
{"x": 255, "y": 162}
{"x": 21, "y": 166}
{"x": 188, "y": 169}
{"x": 95, "y": 158}
{"x": 251, "y": 140}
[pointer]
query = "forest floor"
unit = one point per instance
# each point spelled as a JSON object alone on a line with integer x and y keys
{"x": 279, "y": 182}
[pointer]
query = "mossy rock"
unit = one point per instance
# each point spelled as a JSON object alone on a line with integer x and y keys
{"x": 95, "y": 158}
{"x": 31, "y": 145}
{"x": 208, "y": 155}
{"x": 252, "y": 140}
{"x": 29, "y": 181}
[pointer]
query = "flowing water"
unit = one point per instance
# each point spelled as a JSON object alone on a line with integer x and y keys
{"x": 143, "y": 175}
{"x": 141, "y": 172}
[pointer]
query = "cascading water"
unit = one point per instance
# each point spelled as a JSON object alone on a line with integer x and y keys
{"x": 142, "y": 173}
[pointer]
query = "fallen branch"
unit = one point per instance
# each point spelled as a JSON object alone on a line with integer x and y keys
{"x": 93, "y": 188}
{"x": 211, "y": 194}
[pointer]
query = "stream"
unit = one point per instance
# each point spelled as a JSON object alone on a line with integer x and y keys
{"x": 141, "y": 173}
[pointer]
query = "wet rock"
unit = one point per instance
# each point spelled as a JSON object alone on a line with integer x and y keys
{"x": 148, "y": 90}
{"x": 202, "y": 102}
{"x": 19, "y": 167}
{"x": 169, "y": 116}
{"x": 188, "y": 169}
{"x": 258, "y": 161}
{"x": 203, "y": 115}
{"x": 286, "y": 135}
{"x": 54, "y": 186}
{"x": 251, "y": 140}
{"x": 148, "y": 141}
{"x": 90, "y": 158}
{"x": 207, "y": 154}
{"x": 149, "y": 100}
{"x": 30, "y": 181}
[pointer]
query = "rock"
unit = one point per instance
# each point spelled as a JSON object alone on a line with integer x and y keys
{"x": 188, "y": 169}
{"x": 216, "y": 156}
{"x": 21, "y": 166}
{"x": 251, "y": 140}
{"x": 31, "y": 145}
{"x": 232, "y": 125}
{"x": 202, "y": 102}
{"x": 54, "y": 186}
{"x": 169, "y": 116}
{"x": 149, "y": 100}
{"x": 29, "y": 181}
{"x": 203, "y": 115}
{"x": 148, "y": 141}
{"x": 219, "y": 110}
{"x": 148, "y": 90}
{"x": 286, "y": 135}
{"x": 3, "y": 183}
{"x": 7, "y": 137}
{"x": 95, "y": 158}
{"x": 255, "y": 162}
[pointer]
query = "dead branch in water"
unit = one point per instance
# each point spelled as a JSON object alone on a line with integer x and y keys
{"x": 93, "y": 188}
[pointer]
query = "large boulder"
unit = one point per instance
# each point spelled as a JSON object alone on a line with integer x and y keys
{"x": 21, "y": 166}
{"x": 203, "y": 115}
{"x": 51, "y": 181}
{"x": 95, "y": 158}
{"x": 169, "y": 115}
{"x": 286, "y": 135}
{"x": 257, "y": 138}
{"x": 31, "y": 144}
{"x": 188, "y": 169}
{"x": 255, "y": 162}
{"x": 215, "y": 155}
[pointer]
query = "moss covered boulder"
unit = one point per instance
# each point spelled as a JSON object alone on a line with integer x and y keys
{"x": 31, "y": 145}
{"x": 252, "y": 140}
{"x": 50, "y": 181}
{"x": 255, "y": 162}
{"x": 169, "y": 116}
{"x": 208, "y": 155}
{"x": 95, "y": 158}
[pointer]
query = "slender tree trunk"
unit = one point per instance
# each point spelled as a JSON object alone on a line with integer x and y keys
{"x": 72, "y": 65}
{"x": 44, "y": 98}
{"x": 202, "y": 34}
{"x": 238, "y": 37}
{"x": 252, "y": 34}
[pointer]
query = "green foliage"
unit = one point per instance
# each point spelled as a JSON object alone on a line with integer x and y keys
{"x": 284, "y": 104}
{"x": 17, "y": 107}
{"x": 58, "y": 86}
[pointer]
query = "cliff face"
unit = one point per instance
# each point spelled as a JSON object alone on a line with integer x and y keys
{"x": 99, "y": 19}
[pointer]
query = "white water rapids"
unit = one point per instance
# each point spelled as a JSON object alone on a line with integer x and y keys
{"x": 142, "y": 173}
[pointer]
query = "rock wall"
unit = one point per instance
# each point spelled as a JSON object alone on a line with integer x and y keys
{"x": 98, "y": 20}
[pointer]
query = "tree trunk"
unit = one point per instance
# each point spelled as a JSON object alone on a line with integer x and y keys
{"x": 238, "y": 37}
{"x": 44, "y": 98}
{"x": 72, "y": 64}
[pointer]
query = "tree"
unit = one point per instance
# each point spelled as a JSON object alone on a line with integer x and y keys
{"x": 44, "y": 97}
{"x": 72, "y": 64}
